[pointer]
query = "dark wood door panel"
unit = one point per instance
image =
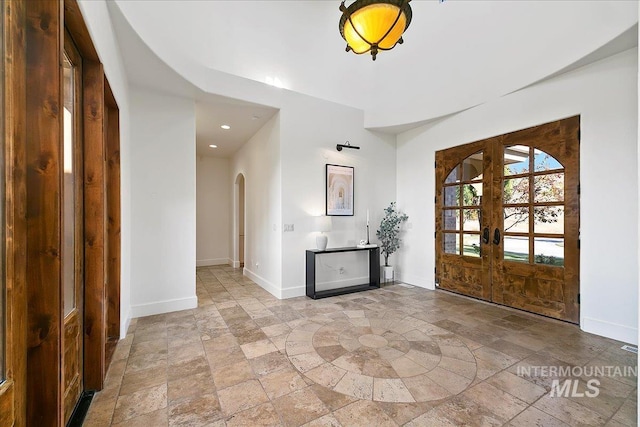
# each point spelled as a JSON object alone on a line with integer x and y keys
{"x": 528, "y": 279}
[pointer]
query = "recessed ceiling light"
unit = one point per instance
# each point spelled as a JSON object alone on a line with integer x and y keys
{"x": 213, "y": 146}
{"x": 225, "y": 127}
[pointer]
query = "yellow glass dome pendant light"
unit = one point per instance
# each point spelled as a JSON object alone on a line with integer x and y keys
{"x": 374, "y": 25}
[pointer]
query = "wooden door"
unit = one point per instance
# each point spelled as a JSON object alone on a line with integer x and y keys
{"x": 463, "y": 219}
{"x": 72, "y": 226}
{"x": 527, "y": 239}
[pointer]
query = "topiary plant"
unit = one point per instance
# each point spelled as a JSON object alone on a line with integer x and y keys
{"x": 389, "y": 231}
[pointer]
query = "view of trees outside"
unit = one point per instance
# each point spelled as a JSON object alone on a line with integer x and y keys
{"x": 548, "y": 219}
{"x": 546, "y": 210}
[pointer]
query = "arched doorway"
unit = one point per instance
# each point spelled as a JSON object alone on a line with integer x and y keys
{"x": 239, "y": 215}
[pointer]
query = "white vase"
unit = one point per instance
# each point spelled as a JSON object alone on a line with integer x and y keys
{"x": 387, "y": 273}
{"x": 321, "y": 242}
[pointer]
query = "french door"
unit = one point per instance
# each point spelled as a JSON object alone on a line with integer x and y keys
{"x": 72, "y": 229}
{"x": 507, "y": 219}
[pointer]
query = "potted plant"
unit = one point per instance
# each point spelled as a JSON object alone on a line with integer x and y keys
{"x": 388, "y": 234}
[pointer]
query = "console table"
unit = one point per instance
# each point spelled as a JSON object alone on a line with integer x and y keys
{"x": 374, "y": 272}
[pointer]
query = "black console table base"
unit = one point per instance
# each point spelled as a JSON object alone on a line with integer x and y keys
{"x": 374, "y": 273}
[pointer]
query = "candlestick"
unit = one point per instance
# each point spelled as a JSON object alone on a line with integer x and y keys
{"x": 367, "y": 216}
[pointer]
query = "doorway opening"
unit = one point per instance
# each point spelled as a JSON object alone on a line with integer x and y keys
{"x": 240, "y": 238}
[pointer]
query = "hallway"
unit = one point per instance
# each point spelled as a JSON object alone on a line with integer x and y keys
{"x": 400, "y": 355}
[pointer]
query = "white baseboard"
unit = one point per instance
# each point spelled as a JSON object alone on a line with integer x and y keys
{"x": 299, "y": 291}
{"x": 262, "y": 282}
{"x": 235, "y": 264}
{"x": 614, "y": 331}
{"x": 215, "y": 261}
{"x": 124, "y": 324}
{"x": 418, "y": 281}
{"x": 161, "y": 307}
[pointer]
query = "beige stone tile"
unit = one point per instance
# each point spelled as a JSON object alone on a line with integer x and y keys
{"x": 277, "y": 329}
{"x": 139, "y": 380}
{"x": 187, "y": 368}
{"x": 360, "y": 386}
{"x": 294, "y": 348}
{"x": 331, "y": 353}
{"x": 282, "y": 382}
{"x": 173, "y": 346}
{"x": 428, "y": 360}
{"x": 299, "y": 407}
{"x": 258, "y": 348}
{"x": 241, "y": 396}
{"x": 156, "y": 346}
{"x": 534, "y": 417}
{"x": 325, "y": 421}
{"x": 516, "y": 386}
{"x": 406, "y": 367}
{"x": 363, "y": 413}
{"x": 146, "y": 361}
{"x": 459, "y": 367}
{"x": 140, "y": 403}
{"x": 391, "y": 390}
{"x": 454, "y": 383}
{"x": 432, "y": 418}
{"x": 187, "y": 352}
{"x": 424, "y": 389}
{"x": 156, "y": 418}
{"x": 262, "y": 415}
{"x": 224, "y": 356}
{"x": 196, "y": 411}
{"x": 628, "y": 413}
{"x": 332, "y": 399}
{"x": 457, "y": 352}
{"x": 100, "y": 413}
{"x": 233, "y": 374}
{"x": 503, "y": 360}
{"x": 568, "y": 411}
{"x": 268, "y": 363}
{"x": 190, "y": 386}
{"x": 498, "y": 402}
{"x": 464, "y": 412}
{"x": 327, "y": 375}
{"x": 307, "y": 361}
{"x": 402, "y": 413}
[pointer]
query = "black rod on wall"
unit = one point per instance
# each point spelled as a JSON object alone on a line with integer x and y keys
{"x": 347, "y": 144}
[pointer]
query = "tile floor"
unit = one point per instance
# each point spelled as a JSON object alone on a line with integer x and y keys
{"x": 395, "y": 356}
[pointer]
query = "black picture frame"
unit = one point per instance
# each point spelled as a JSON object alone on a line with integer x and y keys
{"x": 339, "y": 190}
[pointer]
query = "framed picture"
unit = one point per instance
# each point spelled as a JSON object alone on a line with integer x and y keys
{"x": 339, "y": 197}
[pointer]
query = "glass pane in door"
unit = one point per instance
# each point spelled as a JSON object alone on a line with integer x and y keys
{"x": 472, "y": 167}
{"x": 69, "y": 201}
{"x": 516, "y": 160}
{"x": 548, "y": 251}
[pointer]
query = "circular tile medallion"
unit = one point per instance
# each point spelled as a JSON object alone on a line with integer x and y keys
{"x": 382, "y": 358}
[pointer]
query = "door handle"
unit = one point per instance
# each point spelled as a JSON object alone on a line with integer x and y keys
{"x": 485, "y": 235}
{"x": 496, "y": 237}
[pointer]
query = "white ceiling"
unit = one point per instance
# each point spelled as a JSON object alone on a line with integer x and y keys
{"x": 456, "y": 55}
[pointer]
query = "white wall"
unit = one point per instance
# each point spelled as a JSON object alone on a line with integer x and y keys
{"x": 310, "y": 129}
{"x": 605, "y": 95}
{"x": 98, "y": 21}
{"x": 259, "y": 162}
{"x": 163, "y": 203}
{"x": 213, "y": 209}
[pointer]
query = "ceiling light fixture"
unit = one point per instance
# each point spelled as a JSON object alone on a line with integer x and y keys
{"x": 374, "y": 25}
{"x": 225, "y": 127}
{"x": 213, "y": 146}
